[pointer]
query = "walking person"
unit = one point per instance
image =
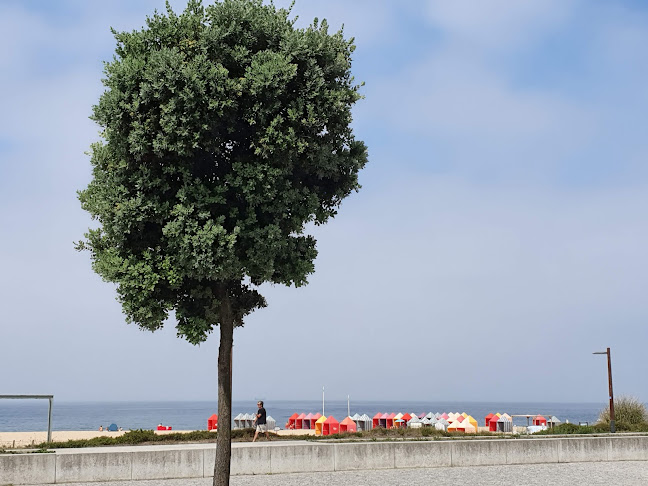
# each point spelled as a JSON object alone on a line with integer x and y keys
{"x": 260, "y": 422}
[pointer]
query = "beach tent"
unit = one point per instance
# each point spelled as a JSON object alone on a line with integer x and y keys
{"x": 454, "y": 426}
{"x": 415, "y": 422}
{"x": 431, "y": 415}
{"x": 487, "y": 419}
{"x": 271, "y": 423}
{"x": 505, "y": 424}
{"x": 112, "y": 428}
{"x": 422, "y": 415}
{"x": 398, "y": 416}
{"x": 365, "y": 422}
{"x": 460, "y": 418}
{"x": 330, "y": 426}
{"x": 442, "y": 424}
{"x": 553, "y": 421}
{"x": 444, "y": 416}
{"x": 389, "y": 422}
{"x": 315, "y": 418}
{"x": 239, "y": 421}
{"x": 400, "y": 423}
{"x": 375, "y": 422}
{"x": 348, "y": 425}
{"x": 357, "y": 418}
{"x": 307, "y": 421}
{"x": 299, "y": 421}
{"x": 249, "y": 420}
{"x": 492, "y": 423}
{"x": 319, "y": 424}
{"x": 212, "y": 422}
{"x": 472, "y": 422}
{"x": 425, "y": 422}
{"x": 407, "y": 417}
{"x": 383, "y": 420}
{"x": 437, "y": 415}
{"x": 539, "y": 420}
{"x": 468, "y": 428}
{"x": 291, "y": 421}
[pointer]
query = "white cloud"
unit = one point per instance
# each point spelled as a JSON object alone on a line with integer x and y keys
{"x": 497, "y": 23}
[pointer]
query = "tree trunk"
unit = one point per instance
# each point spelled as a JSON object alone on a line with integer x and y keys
{"x": 224, "y": 438}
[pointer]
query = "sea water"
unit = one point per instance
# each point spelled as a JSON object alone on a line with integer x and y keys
{"x": 31, "y": 415}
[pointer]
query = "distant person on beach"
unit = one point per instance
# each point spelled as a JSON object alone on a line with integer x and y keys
{"x": 101, "y": 428}
{"x": 260, "y": 421}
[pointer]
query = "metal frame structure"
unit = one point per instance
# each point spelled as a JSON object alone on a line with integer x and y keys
{"x": 29, "y": 397}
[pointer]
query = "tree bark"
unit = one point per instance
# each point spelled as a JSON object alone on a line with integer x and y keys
{"x": 224, "y": 438}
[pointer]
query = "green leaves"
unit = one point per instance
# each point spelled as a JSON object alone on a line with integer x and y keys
{"x": 225, "y": 131}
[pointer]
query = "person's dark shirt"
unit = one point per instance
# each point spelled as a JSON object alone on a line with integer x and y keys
{"x": 261, "y": 416}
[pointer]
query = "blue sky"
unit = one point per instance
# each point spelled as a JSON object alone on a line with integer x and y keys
{"x": 501, "y": 230}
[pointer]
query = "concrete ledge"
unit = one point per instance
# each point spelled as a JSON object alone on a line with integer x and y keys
{"x": 363, "y": 455}
{"x": 628, "y": 449}
{"x": 532, "y": 451}
{"x": 28, "y": 468}
{"x": 72, "y": 468}
{"x": 197, "y": 460}
{"x": 590, "y": 449}
{"x": 168, "y": 464}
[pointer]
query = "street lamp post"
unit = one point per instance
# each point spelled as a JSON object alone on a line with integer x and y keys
{"x": 609, "y": 361}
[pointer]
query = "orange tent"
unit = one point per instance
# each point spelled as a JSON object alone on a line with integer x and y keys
{"x": 319, "y": 425}
{"x": 331, "y": 426}
{"x": 348, "y": 425}
{"x": 212, "y": 422}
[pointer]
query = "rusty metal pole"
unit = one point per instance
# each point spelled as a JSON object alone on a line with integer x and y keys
{"x": 612, "y": 426}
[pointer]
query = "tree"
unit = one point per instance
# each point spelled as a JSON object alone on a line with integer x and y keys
{"x": 226, "y": 130}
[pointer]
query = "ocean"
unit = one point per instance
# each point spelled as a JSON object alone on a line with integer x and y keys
{"x": 31, "y": 415}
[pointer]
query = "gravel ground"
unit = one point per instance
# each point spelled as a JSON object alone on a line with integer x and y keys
{"x": 590, "y": 474}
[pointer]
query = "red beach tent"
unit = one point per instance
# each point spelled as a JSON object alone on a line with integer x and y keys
{"x": 348, "y": 425}
{"x": 299, "y": 421}
{"x": 407, "y": 417}
{"x": 331, "y": 426}
{"x": 389, "y": 423}
{"x": 375, "y": 421}
{"x": 539, "y": 420}
{"x": 492, "y": 423}
{"x": 316, "y": 417}
{"x": 291, "y": 421}
{"x": 212, "y": 422}
{"x": 487, "y": 419}
{"x": 308, "y": 421}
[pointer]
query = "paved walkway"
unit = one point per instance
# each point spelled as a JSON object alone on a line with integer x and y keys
{"x": 574, "y": 474}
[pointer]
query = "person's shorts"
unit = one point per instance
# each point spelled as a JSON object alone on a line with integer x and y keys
{"x": 262, "y": 428}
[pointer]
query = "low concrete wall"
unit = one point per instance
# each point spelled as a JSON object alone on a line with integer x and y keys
{"x": 197, "y": 461}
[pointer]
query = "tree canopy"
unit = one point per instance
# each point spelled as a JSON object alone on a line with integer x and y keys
{"x": 226, "y": 130}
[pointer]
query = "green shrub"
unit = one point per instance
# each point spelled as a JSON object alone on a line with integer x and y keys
{"x": 628, "y": 411}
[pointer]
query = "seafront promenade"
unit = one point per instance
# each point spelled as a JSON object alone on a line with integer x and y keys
{"x": 195, "y": 461}
{"x": 582, "y": 474}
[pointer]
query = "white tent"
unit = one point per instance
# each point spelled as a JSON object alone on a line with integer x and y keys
{"x": 239, "y": 421}
{"x": 441, "y": 424}
{"x": 363, "y": 422}
{"x": 272, "y": 423}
